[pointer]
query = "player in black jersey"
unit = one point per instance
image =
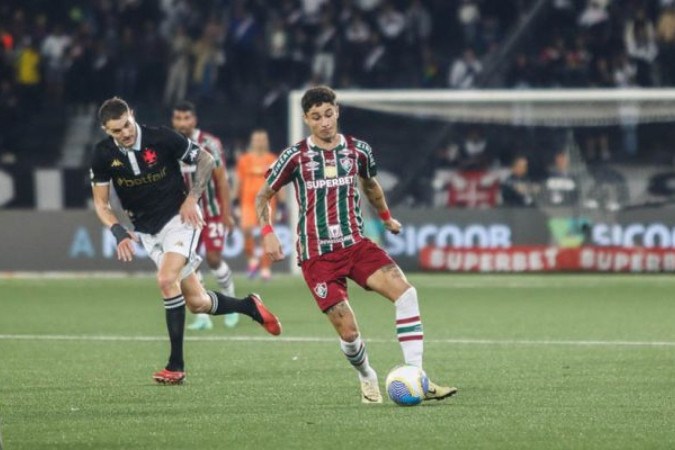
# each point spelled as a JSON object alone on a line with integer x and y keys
{"x": 142, "y": 164}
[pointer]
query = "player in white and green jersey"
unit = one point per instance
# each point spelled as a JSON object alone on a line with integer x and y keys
{"x": 325, "y": 169}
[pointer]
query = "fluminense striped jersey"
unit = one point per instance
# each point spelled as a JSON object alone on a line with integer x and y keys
{"x": 327, "y": 192}
{"x": 210, "y": 200}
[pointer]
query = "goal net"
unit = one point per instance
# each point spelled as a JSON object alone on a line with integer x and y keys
{"x": 595, "y": 160}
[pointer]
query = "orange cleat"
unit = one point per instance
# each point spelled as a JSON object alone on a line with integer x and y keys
{"x": 169, "y": 377}
{"x": 270, "y": 321}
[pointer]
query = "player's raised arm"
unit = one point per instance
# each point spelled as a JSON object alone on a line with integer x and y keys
{"x": 375, "y": 195}
{"x": 271, "y": 244}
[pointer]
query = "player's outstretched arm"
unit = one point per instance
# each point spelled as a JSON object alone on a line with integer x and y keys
{"x": 125, "y": 246}
{"x": 375, "y": 195}
{"x": 189, "y": 212}
{"x": 271, "y": 244}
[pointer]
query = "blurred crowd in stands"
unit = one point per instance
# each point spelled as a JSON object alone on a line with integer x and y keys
{"x": 244, "y": 55}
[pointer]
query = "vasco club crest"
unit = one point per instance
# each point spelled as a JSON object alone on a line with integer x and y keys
{"x": 149, "y": 156}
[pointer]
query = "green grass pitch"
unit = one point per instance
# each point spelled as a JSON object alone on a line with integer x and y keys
{"x": 561, "y": 361}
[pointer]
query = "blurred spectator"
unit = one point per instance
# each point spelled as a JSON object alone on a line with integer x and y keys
{"x": 665, "y": 32}
{"x": 357, "y": 36}
{"x": 518, "y": 189}
{"x": 28, "y": 77}
{"x": 608, "y": 190}
{"x": 207, "y": 59}
{"x": 521, "y": 75}
{"x": 127, "y": 62}
{"x": 464, "y": 71}
{"x": 561, "y": 187}
{"x": 468, "y": 16}
{"x": 375, "y": 63}
{"x": 278, "y": 48}
{"x": 640, "y": 42}
{"x": 244, "y": 42}
{"x": 152, "y": 70}
{"x": 178, "y": 75}
{"x": 625, "y": 73}
{"x": 54, "y": 50}
{"x": 391, "y": 25}
{"x": 475, "y": 153}
{"x": 325, "y": 50}
{"x": 418, "y": 24}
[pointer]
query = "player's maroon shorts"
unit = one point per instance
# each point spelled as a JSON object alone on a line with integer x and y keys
{"x": 213, "y": 235}
{"x": 326, "y": 275}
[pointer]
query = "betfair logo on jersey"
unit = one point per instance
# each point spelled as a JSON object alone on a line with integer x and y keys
{"x": 141, "y": 181}
{"x": 116, "y": 163}
{"x": 333, "y": 182}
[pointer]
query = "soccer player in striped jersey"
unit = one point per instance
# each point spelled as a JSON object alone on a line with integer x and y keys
{"x": 214, "y": 202}
{"x": 324, "y": 169}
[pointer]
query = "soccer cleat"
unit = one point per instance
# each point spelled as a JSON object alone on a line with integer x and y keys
{"x": 269, "y": 321}
{"x": 231, "y": 320}
{"x": 437, "y": 392}
{"x": 167, "y": 376}
{"x": 265, "y": 274}
{"x": 370, "y": 391}
{"x": 201, "y": 322}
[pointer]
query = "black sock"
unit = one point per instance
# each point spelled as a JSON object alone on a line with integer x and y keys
{"x": 222, "y": 304}
{"x": 175, "y": 324}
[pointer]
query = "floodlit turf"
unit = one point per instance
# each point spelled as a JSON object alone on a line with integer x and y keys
{"x": 541, "y": 362}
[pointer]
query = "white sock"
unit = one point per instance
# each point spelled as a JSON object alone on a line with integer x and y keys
{"x": 223, "y": 276}
{"x": 358, "y": 357}
{"x": 409, "y": 327}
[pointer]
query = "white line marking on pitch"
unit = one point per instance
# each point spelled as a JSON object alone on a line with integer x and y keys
{"x": 504, "y": 342}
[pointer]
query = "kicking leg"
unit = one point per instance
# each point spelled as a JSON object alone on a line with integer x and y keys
{"x": 390, "y": 282}
{"x": 221, "y": 271}
{"x": 214, "y": 303}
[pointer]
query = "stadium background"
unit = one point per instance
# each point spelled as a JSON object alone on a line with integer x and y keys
{"x": 541, "y": 361}
{"x": 240, "y": 60}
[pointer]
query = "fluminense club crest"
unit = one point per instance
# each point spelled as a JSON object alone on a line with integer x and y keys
{"x": 346, "y": 164}
{"x": 321, "y": 290}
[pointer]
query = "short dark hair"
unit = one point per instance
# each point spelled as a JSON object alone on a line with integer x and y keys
{"x": 112, "y": 109}
{"x": 186, "y": 106}
{"x": 316, "y": 96}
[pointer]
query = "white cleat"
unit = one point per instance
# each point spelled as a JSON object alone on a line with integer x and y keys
{"x": 370, "y": 391}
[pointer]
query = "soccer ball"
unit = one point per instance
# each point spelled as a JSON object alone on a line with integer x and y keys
{"x": 407, "y": 385}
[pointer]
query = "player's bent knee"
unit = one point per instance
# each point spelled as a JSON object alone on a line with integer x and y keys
{"x": 166, "y": 282}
